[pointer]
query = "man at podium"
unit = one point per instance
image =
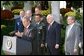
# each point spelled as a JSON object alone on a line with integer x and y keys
{"x": 28, "y": 33}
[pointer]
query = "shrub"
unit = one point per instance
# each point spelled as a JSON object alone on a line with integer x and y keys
{"x": 70, "y": 14}
{"x": 7, "y": 26}
{"x": 16, "y": 7}
{"x": 45, "y": 12}
{"x": 3, "y": 26}
{"x": 64, "y": 10}
{"x": 6, "y": 14}
{"x": 74, "y": 13}
{"x": 16, "y": 11}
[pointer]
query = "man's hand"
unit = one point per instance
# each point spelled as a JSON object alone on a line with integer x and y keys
{"x": 19, "y": 34}
{"x": 12, "y": 33}
{"x": 16, "y": 33}
{"x": 57, "y": 46}
{"x": 42, "y": 45}
{"x": 80, "y": 44}
{"x": 75, "y": 50}
{"x": 45, "y": 44}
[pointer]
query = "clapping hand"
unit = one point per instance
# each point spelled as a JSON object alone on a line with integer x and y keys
{"x": 18, "y": 34}
{"x": 57, "y": 46}
{"x": 42, "y": 45}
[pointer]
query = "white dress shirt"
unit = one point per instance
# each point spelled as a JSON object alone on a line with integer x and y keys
{"x": 28, "y": 26}
{"x": 26, "y": 30}
{"x": 50, "y": 24}
{"x": 30, "y": 18}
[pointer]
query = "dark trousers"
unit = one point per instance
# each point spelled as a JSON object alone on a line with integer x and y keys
{"x": 53, "y": 51}
{"x": 81, "y": 51}
{"x": 37, "y": 49}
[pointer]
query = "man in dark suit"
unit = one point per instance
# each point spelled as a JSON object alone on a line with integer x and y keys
{"x": 53, "y": 35}
{"x": 38, "y": 11}
{"x": 18, "y": 23}
{"x": 28, "y": 34}
{"x": 39, "y": 37}
{"x": 28, "y": 13}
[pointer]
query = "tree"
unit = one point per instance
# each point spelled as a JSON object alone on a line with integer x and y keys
{"x": 76, "y": 4}
{"x": 6, "y": 5}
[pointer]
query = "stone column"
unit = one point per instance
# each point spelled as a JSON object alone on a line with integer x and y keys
{"x": 55, "y": 7}
{"x": 27, "y": 5}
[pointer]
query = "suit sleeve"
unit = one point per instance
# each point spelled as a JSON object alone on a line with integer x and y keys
{"x": 33, "y": 33}
{"x": 15, "y": 25}
{"x": 77, "y": 36}
{"x": 20, "y": 26}
{"x": 58, "y": 33}
{"x": 43, "y": 34}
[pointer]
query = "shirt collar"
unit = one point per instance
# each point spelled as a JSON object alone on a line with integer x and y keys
{"x": 30, "y": 18}
{"x": 52, "y": 22}
{"x": 71, "y": 24}
{"x": 21, "y": 17}
{"x": 38, "y": 23}
{"x": 28, "y": 26}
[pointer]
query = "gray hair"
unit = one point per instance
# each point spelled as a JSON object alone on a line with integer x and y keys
{"x": 29, "y": 11}
{"x": 25, "y": 17}
{"x": 73, "y": 17}
{"x": 50, "y": 15}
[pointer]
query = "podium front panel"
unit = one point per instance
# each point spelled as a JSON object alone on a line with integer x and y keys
{"x": 16, "y": 46}
{"x": 9, "y": 45}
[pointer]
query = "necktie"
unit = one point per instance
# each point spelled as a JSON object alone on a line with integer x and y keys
{"x": 26, "y": 31}
{"x": 49, "y": 27}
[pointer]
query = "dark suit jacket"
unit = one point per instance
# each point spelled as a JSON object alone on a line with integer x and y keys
{"x": 53, "y": 34}
{"x": 39, "y": 38}
{"x": 40, "y": 32}
{"x": 18, "y": 25}
{"x": 29, "y": 37}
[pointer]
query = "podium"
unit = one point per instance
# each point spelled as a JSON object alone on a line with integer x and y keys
{"x": 16, "y": 46}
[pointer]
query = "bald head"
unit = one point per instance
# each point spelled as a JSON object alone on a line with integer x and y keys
{"x": 25, "y": 21}
{"x": 28, "y": 13}
{"x": 49, "y": 18}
